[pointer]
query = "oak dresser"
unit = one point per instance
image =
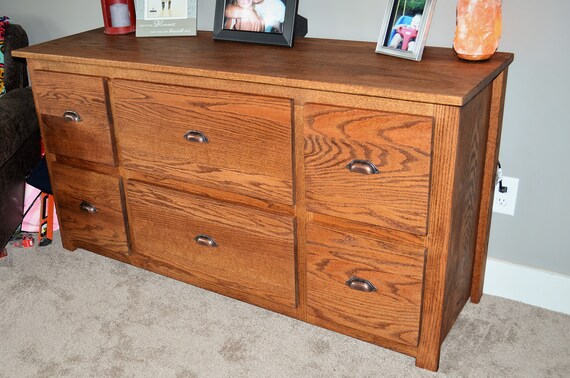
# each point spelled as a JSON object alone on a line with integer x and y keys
{"x": 326, "y": 182}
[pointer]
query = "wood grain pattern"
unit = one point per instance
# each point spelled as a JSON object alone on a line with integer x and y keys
{"x": 216, "y": 193}
{"x": 255, "y": 252}
{"x": 400, "y": 147}
{"x": 365, "y": 336}
{"x": 439, "y": 232}
{"x": 320, "y": 64}
{"x": 301, "y": 95}
{"x": 301, "y": 213}
{"x": 85, "y": 165}
{"x": 488, "y": 186}
{"x": 367, "y": 229}
{"x": 271, "y": 187}
{"x": 197, "y": 279}
{"x": 459, "y": 145}
{"x": 392, "y": 312}
{"x": 472, "y": 143}
{"x": 102, "y": 232}
{"x": 249, "y": 149}
{"x": 91, "y": 138}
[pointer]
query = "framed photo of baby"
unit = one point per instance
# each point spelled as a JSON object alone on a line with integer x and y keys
{"x": 256, "y": 21}
{"x": 405, "y": 28}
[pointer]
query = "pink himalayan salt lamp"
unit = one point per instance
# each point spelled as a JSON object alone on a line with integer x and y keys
{"x": 478, "y": 29}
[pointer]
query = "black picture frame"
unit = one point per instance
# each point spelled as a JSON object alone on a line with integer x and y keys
{"x": 281, "y": 38}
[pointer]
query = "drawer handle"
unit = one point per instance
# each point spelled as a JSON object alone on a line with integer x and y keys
{"x": 362, "y": 166}
{"x": 195, "y": 136}
{"x": 70, "y": 115}
{"x": 206, "y": 241}
{"x": 360, "y": 284}
{"x": 87, "y": 207}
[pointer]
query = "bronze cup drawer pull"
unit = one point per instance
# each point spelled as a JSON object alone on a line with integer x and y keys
{"x": 364, "y": 167}
{"x": 206, "y": 241}
{"x": 360, "y": 284}
{"x": 87, "y": 207}
{"x": 71, "y": 115}
{"x": 195, "y": 136}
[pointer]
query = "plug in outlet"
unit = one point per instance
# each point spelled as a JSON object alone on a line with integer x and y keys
{"x": 505, "y": 202}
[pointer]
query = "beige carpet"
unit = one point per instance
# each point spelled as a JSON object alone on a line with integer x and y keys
{"x": 82, "y": 315}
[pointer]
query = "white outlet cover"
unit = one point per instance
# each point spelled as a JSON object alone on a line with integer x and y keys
{"x": 505, "y": 203}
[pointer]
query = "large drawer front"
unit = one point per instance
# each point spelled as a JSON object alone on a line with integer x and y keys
{"x": 341, "y": 144}
{"x": 241, "y": 143}
{"x": 336, "y": 260}
{"x": 90, "y": 210}
{"x": 75, "y": 119}
{"x": 220, "y": 245}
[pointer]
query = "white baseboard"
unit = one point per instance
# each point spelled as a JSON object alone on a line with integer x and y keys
{"x": 528, "y": 285}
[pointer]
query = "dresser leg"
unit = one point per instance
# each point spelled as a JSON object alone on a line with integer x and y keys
{"x": 66, "y": 244}
{"x": 428, "y": 360}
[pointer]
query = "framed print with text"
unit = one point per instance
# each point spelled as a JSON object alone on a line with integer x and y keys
{"x": 163, "y": 18}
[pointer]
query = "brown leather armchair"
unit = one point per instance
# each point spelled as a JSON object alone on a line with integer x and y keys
{"x": 19, "y": 135}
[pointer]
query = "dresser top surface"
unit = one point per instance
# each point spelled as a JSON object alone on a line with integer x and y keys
{"x": 320, "y": 64}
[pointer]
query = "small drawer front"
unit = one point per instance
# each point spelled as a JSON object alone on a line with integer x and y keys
{"x": 90, "y": 210}
{"x": 368, "y": 166}
{"x": 241, "y": 143}
{"x": 219, "y": 245}
{"x": 75, "y": 119}
{"x": 364, "y": 284}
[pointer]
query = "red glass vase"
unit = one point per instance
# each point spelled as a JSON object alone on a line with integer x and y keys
{"x": 119, "y": 16}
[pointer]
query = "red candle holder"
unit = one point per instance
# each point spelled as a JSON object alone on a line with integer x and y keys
{"x": 118, "y": 16}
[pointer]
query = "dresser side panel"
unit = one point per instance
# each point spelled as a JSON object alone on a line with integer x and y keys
{"x": 488, "y": 188}
{"x": 470, "y": 164}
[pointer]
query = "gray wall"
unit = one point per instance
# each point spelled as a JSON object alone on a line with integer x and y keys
{"x": 536, "y": 129}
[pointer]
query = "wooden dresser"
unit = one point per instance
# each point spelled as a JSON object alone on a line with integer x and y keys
{"x": 326, "y": 182}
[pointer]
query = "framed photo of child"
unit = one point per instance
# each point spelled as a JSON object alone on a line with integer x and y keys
{"x": 257, "y": 21}
{"x": 405, "y": 28}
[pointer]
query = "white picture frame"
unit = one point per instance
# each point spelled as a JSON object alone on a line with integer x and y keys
{"x": 163, "y": 18}
{"x": 405, "y": 28}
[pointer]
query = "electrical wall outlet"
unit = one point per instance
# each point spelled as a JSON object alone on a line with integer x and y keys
{"x": 504, "y": 203}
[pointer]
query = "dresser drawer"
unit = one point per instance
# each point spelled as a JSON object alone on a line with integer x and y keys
{"x": 228, "y": 248}
{"x": 340, "y": 265}
{"x": 75, "y": 119}
{"x": 241, "y": 143}
{"x": 90, "y": 210}
{"x": 368, "y": 166}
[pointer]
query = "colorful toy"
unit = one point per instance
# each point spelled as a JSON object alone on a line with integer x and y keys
{"x": 405, "y": 32}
